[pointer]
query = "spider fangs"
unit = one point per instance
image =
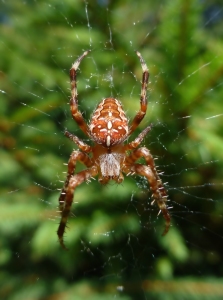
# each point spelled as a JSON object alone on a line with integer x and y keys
{"x": 108, "y": 129}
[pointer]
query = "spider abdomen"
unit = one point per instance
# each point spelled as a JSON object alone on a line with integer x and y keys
{"x": 109, "y": 125}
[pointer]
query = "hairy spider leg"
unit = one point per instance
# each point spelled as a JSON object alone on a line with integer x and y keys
{"x": 76, "y": 114}
{"x": 72, "y": 181}
{"x": 150, "y": 172}
{"x": 143, "y": 98}
{"x": 138, "y": 140}
{"x": 81, "y": 145}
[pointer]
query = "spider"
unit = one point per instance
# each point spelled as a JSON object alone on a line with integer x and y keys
{"x": 110, "y": 157}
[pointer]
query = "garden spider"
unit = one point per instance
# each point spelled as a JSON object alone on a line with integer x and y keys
{"x": 108, "y": 129}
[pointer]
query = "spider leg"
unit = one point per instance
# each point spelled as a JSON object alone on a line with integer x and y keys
{"x": 66, "y": 196}
{"x": 76, "y": 114}
{"x": 150, "y": 172}
{"x": 143, "y": 98}
{"x": 83, "y": 146}
{"x": 138, "y": 140}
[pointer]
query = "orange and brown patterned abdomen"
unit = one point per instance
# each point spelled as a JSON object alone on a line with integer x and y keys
{"x": 109, "y": 125}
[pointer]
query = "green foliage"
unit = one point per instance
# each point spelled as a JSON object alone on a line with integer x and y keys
{"x": 114, "y": 236}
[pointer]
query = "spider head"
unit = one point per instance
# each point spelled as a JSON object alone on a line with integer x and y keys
{"x": 110, "y": 166}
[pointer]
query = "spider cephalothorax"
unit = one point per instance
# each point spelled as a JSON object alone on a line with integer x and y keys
{"x": 109, "y": 129}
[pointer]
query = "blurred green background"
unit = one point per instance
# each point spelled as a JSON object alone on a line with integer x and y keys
{"x": 114, "y": 237}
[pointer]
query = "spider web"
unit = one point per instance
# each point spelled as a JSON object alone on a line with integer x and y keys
{"x": 114, "y": 233}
